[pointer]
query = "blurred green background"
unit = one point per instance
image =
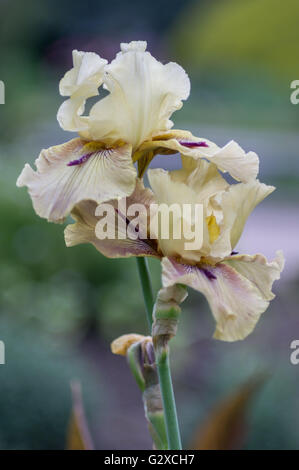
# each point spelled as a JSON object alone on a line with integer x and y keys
{"x": 60, "y": 308}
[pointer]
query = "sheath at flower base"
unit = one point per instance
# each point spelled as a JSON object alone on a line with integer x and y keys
{"x": 237, "y": 287}
{"x": 130, "y": 124}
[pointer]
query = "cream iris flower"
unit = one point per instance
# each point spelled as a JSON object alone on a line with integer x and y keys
{"x": 237, "y": 287}
{"x": 130, "y": 124}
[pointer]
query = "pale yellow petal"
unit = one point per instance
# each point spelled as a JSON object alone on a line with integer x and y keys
{"x": 86, "y": 74}
{"x": 203, "y": 177}
{"x": 192, "y": 185}
{"x": 143, "y": 95}
{"x": 70, "y": 117}
{"x": 171, "y": 195}
{"x": 237, "y": 204}
{"x": 80, "y": 83}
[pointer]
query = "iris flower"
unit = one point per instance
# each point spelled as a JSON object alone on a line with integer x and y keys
{"x": 97, "y": 178}
{"x": 130, "y": 124}
{"x": 236, "y": 286}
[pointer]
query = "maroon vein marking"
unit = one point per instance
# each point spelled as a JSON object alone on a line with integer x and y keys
{"x": 80, "y": 160}
{"x": 190, "y": 269}
{"x": 84, "y": 158}
{"x": 191, "y": 145}
{"x": 208, "y": 274}
{"x": 148, "y": 242}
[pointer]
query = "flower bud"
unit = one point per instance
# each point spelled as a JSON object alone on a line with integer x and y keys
{"x": 121, "y": 345}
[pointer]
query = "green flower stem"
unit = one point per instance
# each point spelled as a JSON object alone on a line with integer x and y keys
{"x": 146, "y": 289}
{"x": 171, "y": 419}
{"x": 163, "y": 366}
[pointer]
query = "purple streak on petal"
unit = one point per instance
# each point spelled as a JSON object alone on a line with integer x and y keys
{"x": 208, "y": 274}
{"x": 183, "y": 269}
{"x": 191, "y": 145}
{"x": 80, "y": 160}
{"x": 234, "y": 253}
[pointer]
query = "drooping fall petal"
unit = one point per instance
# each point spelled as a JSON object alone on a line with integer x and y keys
{"x": 77, "y": 171}
{"x": 258, "y": 270}
{"x": 236, "y": 300}
{"x": 231, "y": 158}
{"x": 122, "y": 240}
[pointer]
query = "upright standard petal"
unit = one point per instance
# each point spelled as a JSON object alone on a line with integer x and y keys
{"x": 70, "y": 117}
{"x": 172, "y": 225}
{"x": 231, "y": 158}
{"x": 76, "y": 171}
{"x": 122, "y": 240}
{"x": 85, "y": 76}
{"x": 237, "y": 204}
{"x": 143, "y": 95}
{"x": 236, "y": 297}
{"x": 197, "y": 183}
{"x": 80, "y": 83}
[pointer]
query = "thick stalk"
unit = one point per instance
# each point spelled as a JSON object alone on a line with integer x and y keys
{"x": 163, "y": 367}
{"x": 146, "y": 289}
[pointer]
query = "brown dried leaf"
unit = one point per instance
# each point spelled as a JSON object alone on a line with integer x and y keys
{"x": 78, "y": 435}
{"x": 224, "y": 427}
